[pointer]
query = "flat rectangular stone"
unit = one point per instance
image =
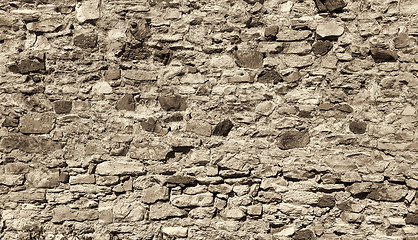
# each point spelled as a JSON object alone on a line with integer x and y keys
{"x": 11, "y": 179}
{"x": 198, "y": 200}
{"x": 120, "y": 168}
{"x": 28, "y": 196}
{"x": 140, "y": 75}
{"x": 82, "y": 179}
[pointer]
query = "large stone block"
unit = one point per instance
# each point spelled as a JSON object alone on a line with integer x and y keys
{"x": 37, "y": 123}
{"x": 120, "y": 168}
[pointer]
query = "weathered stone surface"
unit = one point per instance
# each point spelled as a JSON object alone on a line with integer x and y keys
{"x": 127, "y": 102}
{"x": 28, "y": 144}
{"x": 265, "y": 108}
{"x": 147, "y": 151}
{"x": 199, "y": 127}
{"x": 293, "y": 139}
{"x": 173, "y": 103}
{"x": 65, "y": 213}
{"x": 102, "y": 88}
{"x": 358, "y": 127}
{"x": 202, "y": 212}
{"x": 175, "y": 231}
{"x": 269, "y": 76}
{"x": 120, "y": 168}
{"x": 402, "y": 41}
{"x": 164, "y": 210}
{"x": 326, "y": 201}
{"x": 330, "y": 5}
{"x": 382, "y": 55}
{"x": 83, "y": 179}
{"x": 27, "y": 196}
{"x": 388, "y": 192}
{"x": 37, "y": 123}
{"x": 129, "y": 210}
{"x": 112, "y": 74}
{"x": 10, "y": 122}
{"x": 85, "y": 40}
{"x": 292, "y": 35}
{"x": 249, "y": 59}
{"x": 411, "y": 218}
{"x": 322, "y": 47}
{"x": 233, "y": 213}
{"x": 63, "y": 107}
{"x": 329, "y": 29}
{"x": 11, "y": 179}
{"x": 304, "y": 234}
{"x": 271, "y": 32}
{"x": 181, "y": 179}
{"x": 31, "y": 64}
{"x": 154, "y": 194}
{"x": 198, "y": 200}
{"x": 43, "y": 179}
{"x": 88, "y": 10}
{"x": 223, "y": 128}
{"x": 359, "y": 188}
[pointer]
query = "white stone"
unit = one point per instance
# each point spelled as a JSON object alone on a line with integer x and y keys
{"x": 265, "y": 108}
{"x": 88, "y": 10}
{"x": 409, "y": 111}
{"x": 120, "y": 168}
{"x": 102, "y": 88}
{"x": 329, "y": 29}
{"x": 175, "y": 231}
{"x": 396, "y": 221}
{"x": 286, "y": 232}
{"x": 286, "y": 7}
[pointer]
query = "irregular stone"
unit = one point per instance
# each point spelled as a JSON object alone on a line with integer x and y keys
{"x": 300, "y": 48}
{"x": 293, "y": 139}
{"x": 31, "y": 64}
{"x": 63, "y": 107}
{"x": 202, "y": 212}
{"x": 27, "y": 196}
{"x": 381, "y": 55}
{"x": 35, "y": 123}
{"x": 255, "y": 210}
{"x": 43, "y": 26}
{"x": 65, "y": 213}
{"x": 198, "y": 200}
{"x": 129, "y": 210}
{"x": 352, "y": 217}
{"x": 127, "y": 102}
{"x": 140, "y": 30}
{"x": 83, "y": 179}
{"x": 401, "y": 41}
{"x": 265, "y": 108}
{"x": 396, "y": 221}
{"x": 102, "y": 88}
{"x": 43, "y": 179}
{"x": 388, "y": 192}
{"x": 344, "y": 108}
{"x": 330, "y": 5}
{"x": 223, "y": 128}
{"x": 147, "y": 151}
{"x": 181, "y": 179}
{"x": 28, "y": 144}
{"x": 411, "y": 218}
{"x": 284, "y": 232}
{"x": 409, "y": 111}
{"x": 199, "y": 127}
{"x": 220, "y": 188}
{"x": 322, "y": 47}
{"x": 249, "y": 59}
{"x": 16, "y": 168}
{"x": 139, "y": 75}
{"x": 300, "y": 197}
{"x": 359, "y": 188}
{"x": 85, "y": 40}
{"x": 88, "y": 10}
{"x": 11, "y": 179}
{"x": 292, "y": 35}
{"x": 84, "y": 188}
{"x": 112, "y": 74}
{"x": 326, "y": 201}
{"x": 269, "y": 76}
{"x": 164, "y": 56}
{"x": 10, "y": 122}
{"x": 358, "y": 127}
{"x": 164, "y": 210}
{"x": 120, "y": 168}
{"x": 271, "y": 32}
{"x": 173, "y": 103}
{"x": 175, "y": 231}
{"x": 304, "y": 234}
{"x": 154, "y": 193}
{"x": 233, "y": 213}
{"x": 329, "y": 29}
{"x": 296, "y": 61}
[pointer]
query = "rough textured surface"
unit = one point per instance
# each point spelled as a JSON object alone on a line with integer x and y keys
{"x": 208, "y": 119}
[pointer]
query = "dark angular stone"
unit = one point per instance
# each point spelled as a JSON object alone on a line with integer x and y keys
{"x": 112, "y": 74}
{"x": 64, "y": 177}
{"x": 63, "y": 107}
{"x": 326, "y": 201}
{"x": 181, "y": 179}
{"x": 223, "y": 128}
{"x": 388, "y": 192}
{"x": 163, "y": 56}
{"x": 412, "y": 218}
{"x": 149, "y": 125}
{"x": 173, "y": 103}
{"x": 31, "y": 64}
{"x": 322, "y": 47}
{"x": 269, "y": 76}
{"x": 330, "y": 5}
{"x": 254, "y": 1}
{"x": 321, "y": 7}
{"x": 293, "y": 139}
{"x": 249, "y": 59}
{"x": 325, "y": 106}
{"x": 28, "y": 144}
{"x": 358, "y": 127}
{"x": 140, "y": 30}
{"x": 127, "y": 102}
{"x": 382, "y": 55}
{"x": 86, "y": 40}
{"x": 401, "y": 41}
{"x": 271, "y": 32}
{"x": 176, "y": 117}
{"x": 135, "y": 52}
{"x": 304, "y": 234}
{"x": 10, "y": 122}
{"x": 345, "y": 108}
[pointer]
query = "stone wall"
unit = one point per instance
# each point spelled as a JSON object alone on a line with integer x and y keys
{"x": 213, "y": 119}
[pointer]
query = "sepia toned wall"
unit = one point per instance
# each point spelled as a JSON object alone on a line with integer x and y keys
{"x": 208, "y": 119}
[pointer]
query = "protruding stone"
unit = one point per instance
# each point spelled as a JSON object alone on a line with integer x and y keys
{"x": 329, "y": 29}
{"x": 411, "y": 218}
{"x": 402, "y": 41}
{"x": 223, "y": 128}
{"x": 43, "y": 179}
{"x": 382, "y": 55}
{"x": 181, "y": 179}
{"x": 293, "y": 139}
{"x": 86, "y": 40}
{"x": 127, "y": 102}
{"x": 358, "y": 127}
{"x": 173, "y": 103}
{"x": 249, "y": 59}
{"x": 112, "y": 74}
{"x": 63, "y": 107}
{"x": 322, "y": 47}
{"x": 28, "y": 144}
{"x": 304, "y": 234}
{"x": 31, "y": 64}
{"x": 326, "y": 201}
{"x": 271, "y": 32}
{"x": 234, "y": 213}
{"x": 269, "y": 76}
{"x": 154, "y": 193}
{"x": 330, "y": 5}
{"x": 164, "y": 210}
{"x": 35, "y": 123}
{"x": 120, "y": 168}
{"x": 102, "y": 88}
{"x": 265, "y": 108}
{"x": 388, "y": 192}
{"x": 10, "y": 122}
{"x": 175, "y": 231}
{"x": 43, "y": 26}
{"x": 140, "y": 30}
{"x": 88, "y": 10}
